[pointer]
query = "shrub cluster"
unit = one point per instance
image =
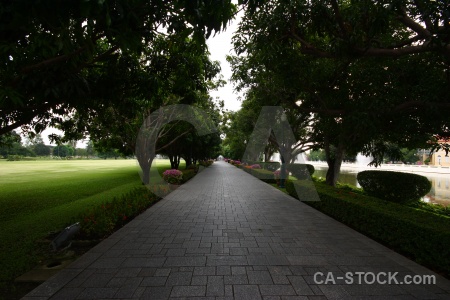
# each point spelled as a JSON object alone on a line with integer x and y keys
{"x": 394, "y": 186}
{"x": 271, "y": 166}
{"x": 206, "y": 163}
{"x": 422, "y": 235}
{"x": 173, "y": 176}
{"x": 188, "y": 174}
{"x": 264, "y": 175}
{"x": 306, "y": 189}
{"x": 300, "y": 171}
{"x": 192, "y": 167}
{"x": 100, "y": 221}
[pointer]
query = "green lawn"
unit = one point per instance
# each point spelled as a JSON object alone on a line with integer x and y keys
{"x": 37, "y": 197}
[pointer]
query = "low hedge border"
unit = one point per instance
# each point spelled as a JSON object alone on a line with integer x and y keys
{"x": 420, "y": 235}
{"x": 264, "y": 175}
{"x": 99, "y": 222}
{"x": 399, "y": 187}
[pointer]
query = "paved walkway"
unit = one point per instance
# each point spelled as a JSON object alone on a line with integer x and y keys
{"x": 227, "y": 235}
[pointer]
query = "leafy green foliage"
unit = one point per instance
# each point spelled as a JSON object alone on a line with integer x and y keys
{"x": 394, "y": 186}
{"x": 353, "y": 67}
{"x": 18, "y": 158}
{"x": 421, "y": 235}
{"x": 58, "y": 59}
{"x": 317, "y": 155}
{"x": 41, "y": 149}
{"x": 189, "y": 173}
{"x": 63, "y": 151}
{"x": 409, "y": 156}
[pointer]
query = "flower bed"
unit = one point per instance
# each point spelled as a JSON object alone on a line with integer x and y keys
{"x": 173, "y": 176}
{"x": 421, "y": 235}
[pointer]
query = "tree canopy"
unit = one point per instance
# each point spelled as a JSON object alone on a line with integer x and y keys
{"x": 53, "y": 53}
{"x": 365, "y": 71}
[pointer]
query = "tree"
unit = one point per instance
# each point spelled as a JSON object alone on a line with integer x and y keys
{"x": 11, "y": 144}
{"x": 63, "y": 151}
{"x": 90, "y": 151}
{"x": 36, "y": 145}
{"x": 317, "y": 155}
{"x": 409, "y": 156}
{"x": 358, "y": 102}
{"x": 9, "y": 138}
{"x": 336, "y": 29}
{"x": 41, "y": 149}
{"x": 81, "y": 152}
{"x": 176, "y": 70}
{"x": 50, "y": 51}
{"x": 181, "y": 140}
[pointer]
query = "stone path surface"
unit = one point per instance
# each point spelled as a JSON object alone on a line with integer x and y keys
{"x": 227, "y": 235}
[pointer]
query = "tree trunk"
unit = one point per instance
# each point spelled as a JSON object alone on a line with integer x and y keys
{"x": 334, "y": 161}
{"x": 334, "y": 168}
{"x": 188, "y": 161}
{"x": 171, "y": 161}
{"x": 178, "y": 162}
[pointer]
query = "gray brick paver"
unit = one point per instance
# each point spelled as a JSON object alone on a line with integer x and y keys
{"x": 227, "y": 235}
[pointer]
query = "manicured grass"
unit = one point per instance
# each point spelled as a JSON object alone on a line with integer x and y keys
{"x": 37, "y": 197}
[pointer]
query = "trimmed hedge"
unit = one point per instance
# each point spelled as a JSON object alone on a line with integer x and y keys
{"x": 264, "y": 175}
{"x": 421, "y": 235}
{"x": 299, "y": 170}
{"x": 271, "y": 166}
{"x": 394, "y": 186}
{"x": 188, "y": 174}
{"x": 306, "y": 189}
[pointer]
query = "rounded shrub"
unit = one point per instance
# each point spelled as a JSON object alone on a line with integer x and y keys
{"x": 394, "y": 186}
{"x": 300, "y": 170}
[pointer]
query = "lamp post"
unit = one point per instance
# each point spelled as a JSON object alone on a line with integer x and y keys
{"x": 283, "y": 166}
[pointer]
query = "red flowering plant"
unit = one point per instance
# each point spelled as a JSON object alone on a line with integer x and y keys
{"x": 173, "y": 176}
{"x": 102, "y": 220}
{"x": 255, "y": 166}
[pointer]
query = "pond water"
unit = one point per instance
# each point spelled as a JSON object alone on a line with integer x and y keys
{"x": 439, "y": 193}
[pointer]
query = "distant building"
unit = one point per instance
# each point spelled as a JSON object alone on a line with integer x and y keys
{"x": 440, "y": 159}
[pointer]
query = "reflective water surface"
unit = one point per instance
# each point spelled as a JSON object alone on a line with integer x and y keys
{"x": 440, "y": 190}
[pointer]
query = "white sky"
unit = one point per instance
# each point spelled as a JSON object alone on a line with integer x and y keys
{"x": 219, "y": 46}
